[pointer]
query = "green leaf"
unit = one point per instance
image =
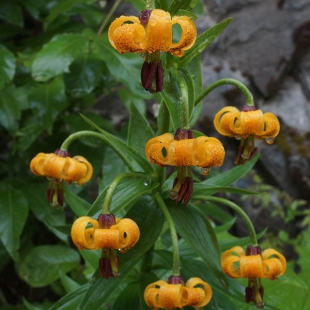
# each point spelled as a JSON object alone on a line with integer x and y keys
{"x": 62, "y": 7}
{"x": 139, "y": 131}
{"x": 46, "y": 101}
{"x": 199, "y": 234}
{"x": 126, "y": 193}
{"x": 177, "y": 5}
{"x": 10, "y": 109}
{"x": 11, "y": 12}
{"x": 77, "y": 204}
{"x": 84, "y": 75}
{"x": 56, "y": 56}
{"x": 33, "y": 7}
{"x": 42, "y": 264}
{"x": 287, "y": 292}
{"x": 171, "y": 95}
{"x": 202, "y": 42}
{"x": 225, "y": 178}
{"x": 123, "y": 150}
{"x": 36, "y": 197}
{"x": 13, "y": 215}
{"x": 150, "y": 220}
{"x": 29, "y": 306}
{"x": 72, "y": 300}
{"x": 69, "y": 284}
{"x": 7, "y": 66}
{"x": 125, "y": 68}
{"x": 128, "y": 296}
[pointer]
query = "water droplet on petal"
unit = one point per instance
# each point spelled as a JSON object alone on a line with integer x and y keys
{"x": 206, "y": 171}
{"x": 152, "y": 22}
{"x": 237, "y": 137}
{"x": 269, "y": 140}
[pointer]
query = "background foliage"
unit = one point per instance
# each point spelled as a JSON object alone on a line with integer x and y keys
{"x": 54, "y": 65}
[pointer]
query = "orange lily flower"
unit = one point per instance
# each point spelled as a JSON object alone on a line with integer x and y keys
{"x": 183, "y": 150}
{"x": 195, "y": 293}
{"x": 254, "y": 265}
{"x": 108, "y": 234}
{"x": 149, "y": 35}
{"x": 151, "y": 32}
{"x": 59, "y": 167}
{"x": 246, "y": 125}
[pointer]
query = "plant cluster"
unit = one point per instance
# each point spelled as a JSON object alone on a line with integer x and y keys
{"x": 111, "y": 228}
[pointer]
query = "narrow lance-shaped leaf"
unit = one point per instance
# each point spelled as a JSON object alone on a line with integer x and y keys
{"x": 123, "y": 149}
{"x": 203, "y": 41}
{"x": 199, "y": 234}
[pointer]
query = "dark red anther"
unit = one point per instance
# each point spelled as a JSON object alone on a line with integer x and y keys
{"x": 159, "y": 77}
{"x": 175, "y": 280}
{"x": 145, "y": 16}
{"x": 249, "y": 294}
{"x": 150, "y": 76}
{"x": 145, "y": 73}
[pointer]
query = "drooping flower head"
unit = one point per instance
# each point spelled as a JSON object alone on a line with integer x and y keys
{"x": 254, "y": 265}
{"x": 183, "y": 150}
{"x": 175, "y": 294}
{"x": 246, "y": 125}
{"x": 149, "y": 35}
{"x": 108, "y": 234}
{"x": 59, "y": 167}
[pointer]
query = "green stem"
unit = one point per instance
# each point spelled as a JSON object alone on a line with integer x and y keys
{"x": 247, "y": 94}
{"x": 87, "y": 133}
{"x": 112, "y": 187}
{"x": 149, "y": 4}
{"x": 174, "y": 236}
{"x": 107, "y": 18}
{"x": 237, "y": 209}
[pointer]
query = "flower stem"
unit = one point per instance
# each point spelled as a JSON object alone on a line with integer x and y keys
{"x": 247, "y": 94}
{"x": 238, "y": 210}
{"x": 112, "y": 187}
{"x": 87, "y": 133}
{"x": 174, "y": 237}
{"x": 149, "y": 4}
{"x": 107, "y": 18}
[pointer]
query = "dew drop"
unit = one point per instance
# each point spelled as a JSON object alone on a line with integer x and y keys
{"x": 152, "y": 22}
{"x": 237, "y": 137}
{"x": 147, "y": 182}
{"x": 206, "y": 171}
{"x": 269, "y": 140}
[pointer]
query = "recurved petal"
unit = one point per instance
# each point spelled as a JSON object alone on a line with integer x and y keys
{"x": 231, "y": 266}
{"x": 129, "y": 233}
{"x": 209, "y": 152}
{"x": 180, "y": 153}
{"x": 86, "y": 170}
{"x": 224, "y": 120}
{"x": 198, "y": 296}
{"x": 37, "y": 164}
{"x": 151, "y": 294}
{"x": 106, "y": 238}
{"x": 156, "y": 149}
{"x": 234, "y": 251}
{"x": 251, "y": 266}
{"x": 126, "y": 34}
{"x": 274, "y": 263}
{"x": 158, "y": 32}
{"x": 271, "y": 126}
{"x": 83, "y": 236}
{"x": 188, "y": 35}
{"x": 172, "y": 296}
